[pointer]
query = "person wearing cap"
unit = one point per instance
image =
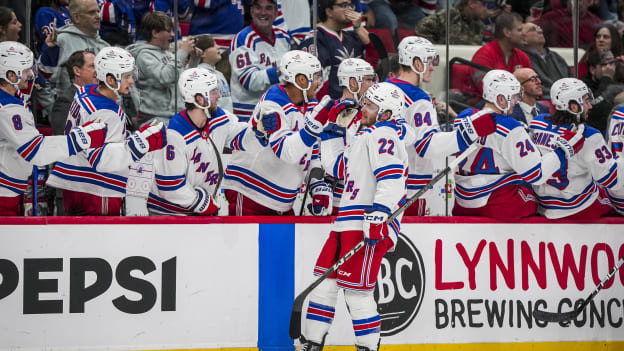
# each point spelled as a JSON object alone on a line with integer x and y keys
{"x": 467, "y": 24}
{"x": 254, "y": 54}
{"x": 602, "y": 80}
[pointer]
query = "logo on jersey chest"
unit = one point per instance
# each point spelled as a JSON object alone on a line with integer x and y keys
{"x": 266, "y": 60}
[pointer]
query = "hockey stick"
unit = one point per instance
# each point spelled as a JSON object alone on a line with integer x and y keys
{"x": 295, "y": 315}
{"x": 219, "y": 164}
{"x": 566, "y": 317}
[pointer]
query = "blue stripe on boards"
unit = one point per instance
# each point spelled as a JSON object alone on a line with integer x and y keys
{"x": 276, "y": 285}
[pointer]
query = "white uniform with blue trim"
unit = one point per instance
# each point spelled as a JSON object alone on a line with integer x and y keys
{"x": 374, "y": 168}
{"x": 427, "y": 142}
{"x": 254, "y": 67}
{"x": 103, "y": 171}
{"x": 189, "y": 160}
{"x": 574, "y": 186}
{"x": 272, "y": 176}
{"x": 506, "y": 157}
{"x": 615, "y": 144}
{"x": 21, "y": 146}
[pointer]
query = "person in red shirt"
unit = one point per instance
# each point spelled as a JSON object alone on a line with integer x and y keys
{"x": 503, "y": 52}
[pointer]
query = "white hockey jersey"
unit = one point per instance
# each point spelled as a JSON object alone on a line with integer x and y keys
{"x": 254, "y": 59}
{"x": 272, "y": 176}
{"x": 427, "y": 142}
{"x": 102, "y": 171}
{"x": 574, "y": 186}
{"x": 506, "y": 157}
{"x": 189, "y": 160}
{"x": 615, "y": 144}
{"x": 374, "y": 169}
{"x": 21, "y": 146}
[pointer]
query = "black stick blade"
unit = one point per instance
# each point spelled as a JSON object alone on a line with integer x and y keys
{"x": 562, "y": 317}
{"x": 295, "y": 316}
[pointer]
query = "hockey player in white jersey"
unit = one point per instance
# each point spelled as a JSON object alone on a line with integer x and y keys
{"x": 21, "y": 144}
{"x": 188, "y": 169}
{"x": 417, "y": 59}
{"x": 615, "y": 144}
{"x": 94, "y": 183}
{"x": 267, "y": 182}
{"x": 374, "y": 169}
{"x": 355, "y": 76}
{"x": 489, "y": 182}
{"x": 577, "y": 189}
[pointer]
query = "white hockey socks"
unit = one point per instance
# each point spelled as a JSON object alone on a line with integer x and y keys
{"x": 321, "y": 309}
{"x": 366, "y": 320}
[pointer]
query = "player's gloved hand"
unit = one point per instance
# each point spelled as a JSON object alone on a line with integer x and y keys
{"x": 341, "y": 110}
{"x": 317, "y": 118}
{"x": 375, "y": 226}
{"x": 332, "y": 130}
{"x": 91, "y": 135}
{"x": 264, "y": 124}
{"x": 482, "y": 123}
{"x": 204, "y": 204}
{"x": 149, "y": 138}
{"x": 570, "y": 143}
{"x": 322, "y": 198}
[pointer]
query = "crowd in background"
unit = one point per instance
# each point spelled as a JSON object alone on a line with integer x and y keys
{"x": 242, "y": 41}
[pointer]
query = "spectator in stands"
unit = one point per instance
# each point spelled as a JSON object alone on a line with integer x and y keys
{"x": 606, "y": 37}
{"x": 600, "y": 79}
{"x": 209, "y": 57}
{"x": 548, "y": 65}
{"x": 157, "y": 69}
{"x": 82, "y": 34}
{"x": 46, "y": 17}
{"x": 334, "y": 43}
{"x": 466, "y": 28}
{"x": 81, "y": 70}
{"x": 403, "y": 13}
{"x": 10, "y": 27}
{"x": 118, "y": 25}
{"x": 503, "y": 52}
{"x": 557, "y": 25}
{"x": 531, "y": 87}
{"x": 223, "y": 19}
{"x": 254, "y": 54}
